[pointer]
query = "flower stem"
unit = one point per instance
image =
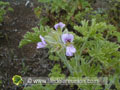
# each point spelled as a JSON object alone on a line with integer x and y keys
{"x": 65, "y": 61}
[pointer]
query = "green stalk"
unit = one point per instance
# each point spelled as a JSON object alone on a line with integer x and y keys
{"x": 77, "y": 57}
{"x": 65, "y": 61}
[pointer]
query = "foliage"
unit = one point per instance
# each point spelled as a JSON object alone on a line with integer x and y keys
{"x": 114, "y": 12}
{"x": 71, "y": 12}
{"x": 102, "y": 55}
{"x": 4, "y": 8}
{"x": 33, "y": 37}
{"x": 67, "y": 11}
{"x": 53, "y": 57}
{"x": 56, "y": 71}
{"x": 95, "y": 53}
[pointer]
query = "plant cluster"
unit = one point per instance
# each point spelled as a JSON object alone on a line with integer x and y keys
{"x": 67, "y": 11}
{"x": 114, "y": 12}
{"x": 86, "y": 49}
{"x": 89, "y": 55}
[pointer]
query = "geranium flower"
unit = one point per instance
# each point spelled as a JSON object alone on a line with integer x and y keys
{"x": 41, "y": 44}
{"x": 67, "y": 39}
{"x": 59, "y": 25}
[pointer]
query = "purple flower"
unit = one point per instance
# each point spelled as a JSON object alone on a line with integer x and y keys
{"x": 68, "y": 38}
{"x": 70, "y": 50}
{"x": 59, "y": 25}
{"x": 41, "y": 44}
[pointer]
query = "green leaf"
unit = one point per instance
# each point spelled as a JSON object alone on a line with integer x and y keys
{"x": 33, "y": 37}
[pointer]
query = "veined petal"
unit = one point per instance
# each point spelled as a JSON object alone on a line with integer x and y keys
{"x": 67, "y": 38}
{"x": 72, "y": 49}
{"x": 68, "y": 52}
{"x": 62, "y": 25}
{"x": 59, "y": 25}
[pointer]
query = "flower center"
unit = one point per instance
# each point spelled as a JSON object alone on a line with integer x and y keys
{"x": 59, "y": 27}
{"x": 68, "y": 40}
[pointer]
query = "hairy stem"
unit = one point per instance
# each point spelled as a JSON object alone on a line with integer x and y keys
{"x": 65, "y": 61}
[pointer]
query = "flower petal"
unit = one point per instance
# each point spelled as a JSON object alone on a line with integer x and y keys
{"x": 64, "y": 36}
{"x": 42, "y": 39}
{"x": 56, "y": 26}
{"x": 72, "y": 49}
{"x": 62, "y": 25}
{"x": 67, "y": 38}
{"x": 40, "y": 45}
{"x": 68, "y": 52}
{"x": 59, "y": 25}
{"x": 71, "y": 37}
